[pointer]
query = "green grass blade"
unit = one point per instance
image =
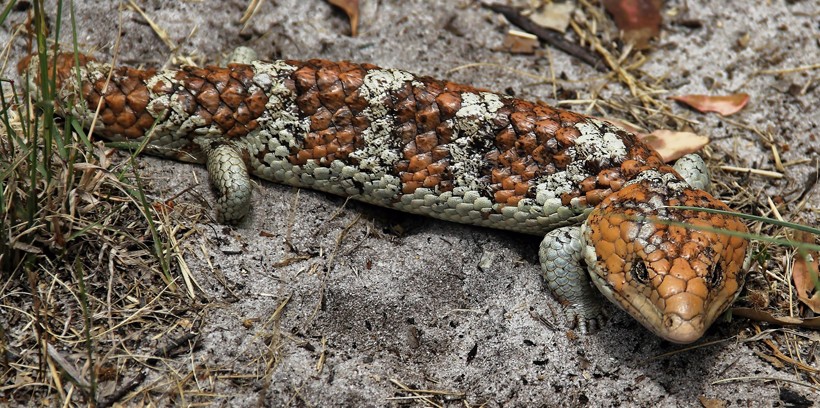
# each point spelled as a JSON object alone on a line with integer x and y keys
{"x": 6, "y": 11}
{"x": 767, "y": 220}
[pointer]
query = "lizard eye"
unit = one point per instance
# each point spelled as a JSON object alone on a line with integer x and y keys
{"x": 714, "y": 277}
{"x": 639, "y": 272}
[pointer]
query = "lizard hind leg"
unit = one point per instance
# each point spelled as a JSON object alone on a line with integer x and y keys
{"x": 229, "y": 176}
{"x": 561, "y": 255}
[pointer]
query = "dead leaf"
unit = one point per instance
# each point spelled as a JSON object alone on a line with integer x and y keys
{"x": 519, "y": 42}
{"x": 639, "y": 20}
{"x": 725, "y": 105}
{"x": 764, "y": 316}
{"x": 351, "y": 8}
{"x": 711, "y": 402}
{"x": 672, "y": 145}
{"x": 804, "y": 275}
{"x": 554, "y": 16}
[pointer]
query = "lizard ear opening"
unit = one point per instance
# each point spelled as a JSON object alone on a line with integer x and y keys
{"x": 639, "y": 272}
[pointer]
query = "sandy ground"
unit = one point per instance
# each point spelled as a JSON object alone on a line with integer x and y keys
{"x": 442, "y": 306}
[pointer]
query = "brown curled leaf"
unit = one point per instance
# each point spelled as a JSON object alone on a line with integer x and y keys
{"x": 639, "y": 20}
{"x": 764, "y": 316}
{"x": 804, "y": 276}
{"x": 351, "y": 8}
{"x": 725, "y": 105}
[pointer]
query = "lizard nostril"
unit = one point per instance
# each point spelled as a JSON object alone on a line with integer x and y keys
{"x": 668, "y": 321}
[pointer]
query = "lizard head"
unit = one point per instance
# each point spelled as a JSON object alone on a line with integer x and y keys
{"x": 671, "y": 269}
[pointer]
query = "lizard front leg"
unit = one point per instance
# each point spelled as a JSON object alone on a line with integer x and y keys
{"x": 561, "y": 255}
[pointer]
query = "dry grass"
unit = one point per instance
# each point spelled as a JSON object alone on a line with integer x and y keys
{"x": 96, "y": 301}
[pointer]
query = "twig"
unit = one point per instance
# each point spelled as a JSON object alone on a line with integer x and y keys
{"x": 766, "y": 173}
{"x": 727, "y": 380}
{"x": 552, "y": 38}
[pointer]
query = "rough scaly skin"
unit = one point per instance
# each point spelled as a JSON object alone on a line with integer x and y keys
{"x": 444, "y": 150}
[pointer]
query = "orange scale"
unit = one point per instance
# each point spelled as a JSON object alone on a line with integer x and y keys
{"x": 671, "y": 286}
{"x": 312, "y": 140}
{"x": 502, "y": 196}
{"x": 617, "y": 281}
{"x": 505, "y": 139}
{"x": 685, "y": 305}
{"x": 527, "y": 142}
{"x": 108, "y": 117}
{"x": 333, "y": 146}
{"x": 626, "y": 228}
{"x": 700, "y": 267}
{"x": 514, "y": 200}
{"x": 426, "y": 142}
{"x": 620, "y": 245}
{"x": 518, "y": 167}
{"x": 661, "y": 266}
{"x": 133, "y": 132}
{"x": 690, "y": 250}
{"x": 561, "y": 160}
{"x": 303, "y": 156}
{"x": 440, "y": 152}
{"x": 437, "y": 168}
{"x": 420, "y": 176}
{"x": 431, "y": 181}
{"x": 529, "y": 172}
{"x": 606, "y": 249}
{"x": 319, "y": 151}
{"x": 522, "y": 188}
{"x": 115, "y": 129}
{"x": 410, "y": 187}
{"x": 508, "y": 183}
{"x": 541, "y": 154}
{"x": 145, "y": 121}
{"x": 127, "y": 119}
{"x": 420, "y": 161}
{"x": 670, "y": 249}
{"x": 609, "y": 232}
{"x": 681, "y": 269}
{"x": 566, "y": 136}
{"x": 497, "y": 175}
{"x": 595, "y": 197}
{"x": 588, "y": 184}
{"x": 655, "y": 255}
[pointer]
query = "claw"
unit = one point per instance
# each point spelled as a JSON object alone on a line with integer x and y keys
{"x": 585, "y": 324}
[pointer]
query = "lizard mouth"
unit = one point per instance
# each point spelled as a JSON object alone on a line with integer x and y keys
{"x": 680, "y": 330}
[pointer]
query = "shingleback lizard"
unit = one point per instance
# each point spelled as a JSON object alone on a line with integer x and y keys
{"x": 598, "y": 196}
